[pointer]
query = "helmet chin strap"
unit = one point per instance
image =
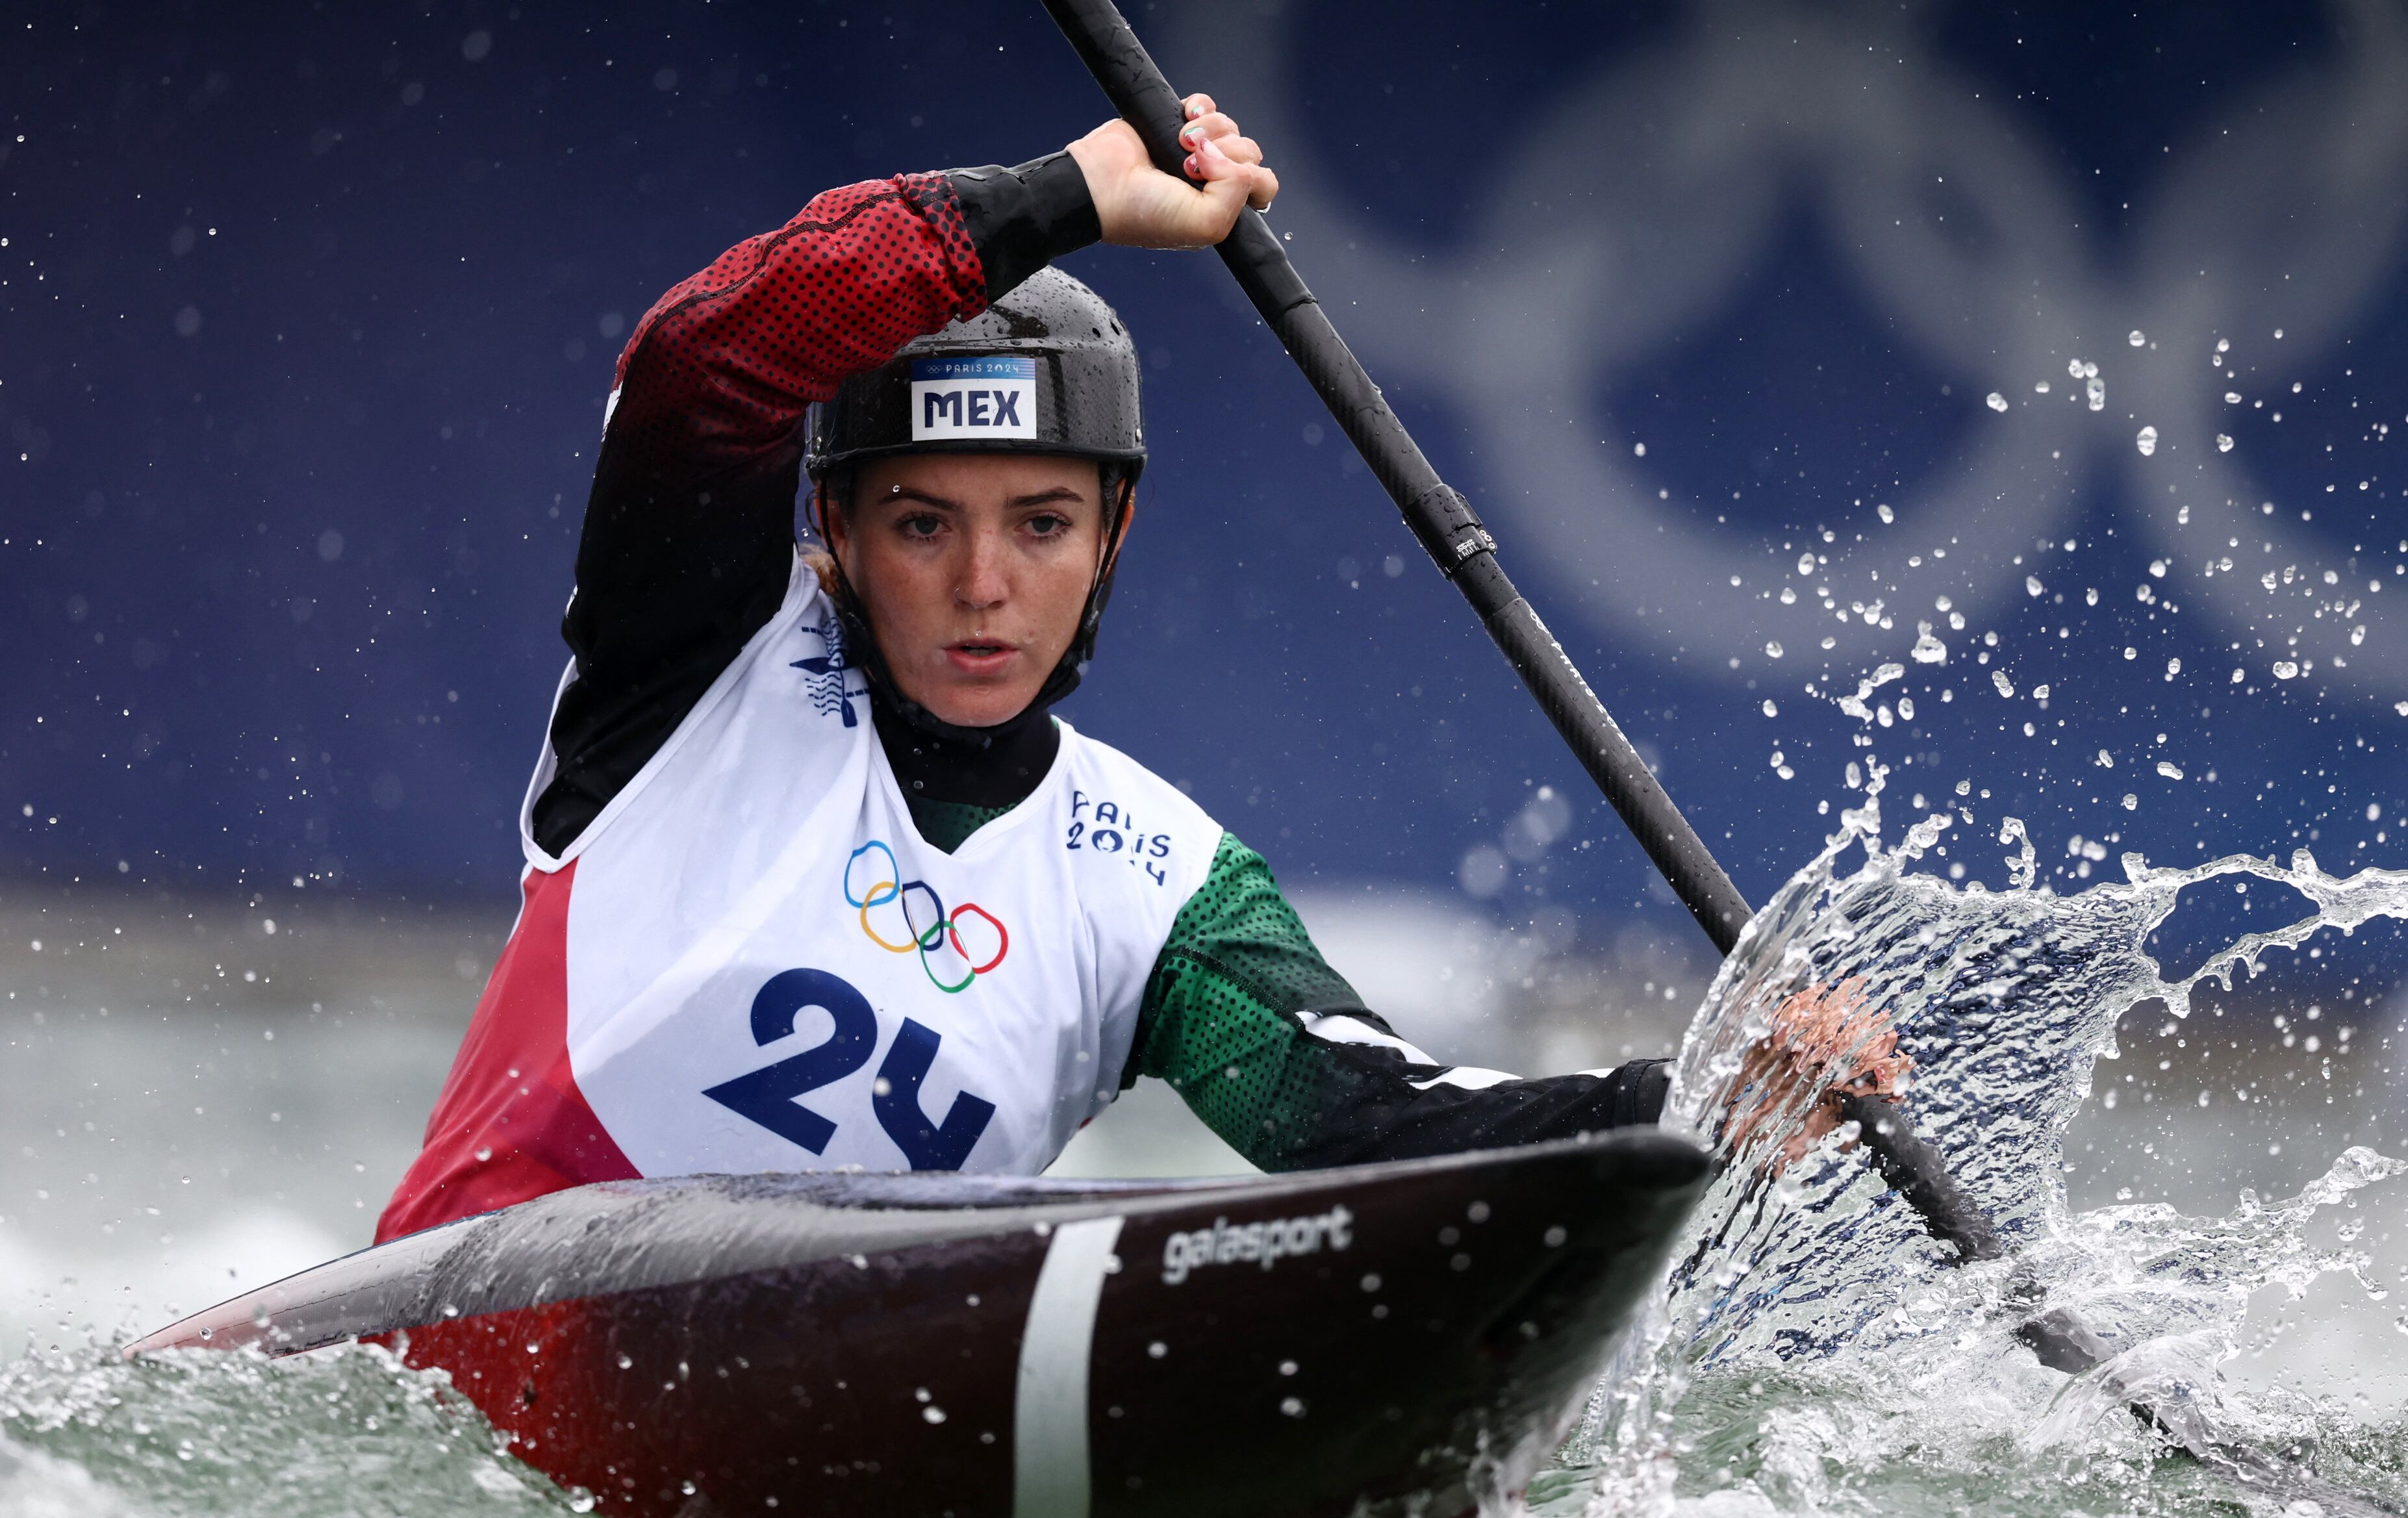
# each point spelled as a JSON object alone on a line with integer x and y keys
{"x": 862, "y": 652}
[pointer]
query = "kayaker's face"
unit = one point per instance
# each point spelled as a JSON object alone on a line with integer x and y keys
{"x": 973, "y": 569}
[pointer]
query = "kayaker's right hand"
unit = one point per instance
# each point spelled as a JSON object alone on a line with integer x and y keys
{"x": 1813, "y": 1031}
{"x": 1140, "y": 207}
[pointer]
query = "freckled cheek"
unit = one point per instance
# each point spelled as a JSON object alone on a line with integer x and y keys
{"x": 908, "y": 615}
{"x": 1063, "y": 597}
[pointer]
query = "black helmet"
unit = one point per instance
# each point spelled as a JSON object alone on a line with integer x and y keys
{"x": 1048, "y": 369}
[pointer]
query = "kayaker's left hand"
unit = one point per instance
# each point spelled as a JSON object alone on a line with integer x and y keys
{"x": 1813, "y": 1032}
{"x": 1140, "y": 207}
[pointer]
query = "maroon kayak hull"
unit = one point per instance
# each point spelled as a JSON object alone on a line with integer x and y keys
{"x": 1392, "y": 1337}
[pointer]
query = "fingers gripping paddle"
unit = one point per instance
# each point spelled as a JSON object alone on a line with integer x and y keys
{"x": 1453, "y": 535}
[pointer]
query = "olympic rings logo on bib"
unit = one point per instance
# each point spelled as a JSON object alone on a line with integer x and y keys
{"x": 891, "y": 908}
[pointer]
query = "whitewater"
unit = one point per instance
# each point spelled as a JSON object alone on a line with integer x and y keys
{"x": 1814, "y": 1350}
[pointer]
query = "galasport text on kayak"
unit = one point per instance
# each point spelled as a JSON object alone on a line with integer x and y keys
{"x": 1265, "y": 1243}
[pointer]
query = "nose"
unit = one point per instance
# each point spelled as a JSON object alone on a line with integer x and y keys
{"x": 982, "y": 585}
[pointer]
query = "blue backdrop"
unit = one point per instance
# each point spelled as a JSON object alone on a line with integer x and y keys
{"x": 309, "y": 316}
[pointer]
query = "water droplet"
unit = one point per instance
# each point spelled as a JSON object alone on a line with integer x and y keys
{"x": 2006, "y": 687}
{"x": 934, "y": 1414}
{"x": 2096, "y": 391}
{"x": 1292, "y": 1405}
{"x": 1772, "y": 650}
{"x": 2169, "y": 769}
{"x": 2146, "y": 442}
{"x": 2286, "y": 669}
{"x": 1805, "y": 566}
{"x": 1997, "y": 402}
{"x": 2138, "y": 339}
{"x": 2131, "y": 802}
{"x": 2223, "y": 443}
{"x": 1770, "y": 710}
{"x": 2033, "y": 587}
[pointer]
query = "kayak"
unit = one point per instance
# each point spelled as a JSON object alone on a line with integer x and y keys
{"x": 1412, "y": 1336}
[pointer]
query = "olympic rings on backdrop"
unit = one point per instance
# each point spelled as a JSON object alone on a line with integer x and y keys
{"x": 945, "y": 930}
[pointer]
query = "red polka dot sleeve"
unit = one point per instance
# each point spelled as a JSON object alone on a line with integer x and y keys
{"x": 719, "y": 371}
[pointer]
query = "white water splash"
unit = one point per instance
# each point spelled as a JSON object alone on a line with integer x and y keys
{"x": 337, "y": 1432}
{"x": 1814, "y": 1335}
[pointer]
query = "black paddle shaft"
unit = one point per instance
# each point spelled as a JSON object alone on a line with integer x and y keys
{"x": 1445, "y": 523}
{"x": 1452, "y": 532}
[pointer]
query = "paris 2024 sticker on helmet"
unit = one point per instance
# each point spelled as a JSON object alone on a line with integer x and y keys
{"x": 964, "y": 398}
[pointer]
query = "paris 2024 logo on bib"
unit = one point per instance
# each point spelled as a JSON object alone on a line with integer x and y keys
{"x": 955, "y": 948}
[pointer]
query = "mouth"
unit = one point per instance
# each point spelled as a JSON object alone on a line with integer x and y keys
{"x": 980, "y": 656}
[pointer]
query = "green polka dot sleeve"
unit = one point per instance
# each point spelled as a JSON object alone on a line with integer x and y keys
{"x": 1278, "y": 1055}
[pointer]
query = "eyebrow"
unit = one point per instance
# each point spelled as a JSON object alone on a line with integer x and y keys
{"x": 908, "y": 492}
{"x": 1059, "y": 492}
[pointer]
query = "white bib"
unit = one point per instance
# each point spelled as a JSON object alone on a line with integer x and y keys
{"x": 767, "y": 969}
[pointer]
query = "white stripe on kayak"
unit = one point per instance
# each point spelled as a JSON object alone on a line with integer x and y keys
{"x": 1048, "y": 1432}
